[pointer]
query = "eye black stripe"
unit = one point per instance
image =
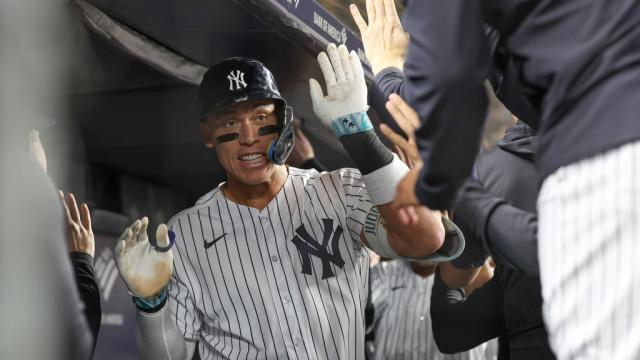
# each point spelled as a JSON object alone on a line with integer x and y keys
{"x": 268, "y": 129}
{"x": 227, "y": 137}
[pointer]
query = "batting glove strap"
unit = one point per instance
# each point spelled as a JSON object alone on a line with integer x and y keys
{"x": 151, "y": 304}
{"x": 351, "y": 124}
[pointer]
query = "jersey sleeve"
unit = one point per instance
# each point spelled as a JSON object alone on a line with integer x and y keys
{"x": 356, "y": 198}
{"x": 181, "y": 293}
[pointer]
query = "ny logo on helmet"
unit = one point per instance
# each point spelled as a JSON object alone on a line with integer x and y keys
{"x": 236, "y": 80}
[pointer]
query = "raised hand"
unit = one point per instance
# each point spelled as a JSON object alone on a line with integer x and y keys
{"x": 385, "y": 41}
{"x": 79, "y": 233}
{"x": 346, "y": 87}
{"x": 146, "y": 269}
{"x": 408, "y": 120}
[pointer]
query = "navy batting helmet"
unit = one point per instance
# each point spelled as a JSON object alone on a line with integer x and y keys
{"x": 241, "y": 79}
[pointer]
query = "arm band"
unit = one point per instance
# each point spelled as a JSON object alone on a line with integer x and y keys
{"x": 381, "y": 169}
{"x": 151, "y": 304}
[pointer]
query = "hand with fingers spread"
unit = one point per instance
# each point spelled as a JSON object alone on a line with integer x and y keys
{"x": 346, "y": 87}
{"x": 385, "y": 41}
{"x": 408, "y": 121}
{"x": 79, "y": 233}
{"x": 146, "y": 269}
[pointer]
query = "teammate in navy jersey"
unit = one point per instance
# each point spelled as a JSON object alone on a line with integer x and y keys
{"x": 272, "y": 263}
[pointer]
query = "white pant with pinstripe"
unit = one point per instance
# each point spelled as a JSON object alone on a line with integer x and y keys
{"x": 589, "y": 249}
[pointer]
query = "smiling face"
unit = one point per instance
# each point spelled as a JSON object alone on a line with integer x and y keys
{"x": 235, "y": 134}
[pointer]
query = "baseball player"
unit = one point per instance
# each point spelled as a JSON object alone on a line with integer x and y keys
{"x": 401, "y": 298}
{"x": 272, "y": 263}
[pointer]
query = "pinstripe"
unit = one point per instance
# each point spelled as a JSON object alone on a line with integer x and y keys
{"x": 275, "y": 279}
{"x": 331, "y": 308}
{"x": 401, "y": 300}
{"x": 190, "y": 285}
{"x": 319, "y": 236}
{"x": 305, "y": 278}
{"x": 226, "y": 288}
{"x": 284, "y": 272}
{"x": 392, "y": 336}
{"x": 217, "y": 292}
{"x": 244, "y": 275}
{"x": 343, "y": 223}
{"x": 273, "y": 301}
{"x": 356, "y": 247}
{"x": 258, "y": 285}
{"x": 200, "y": 275}
{"x": 322, "y": 302}
{"x": 589, "y": 267}
{"x": 282, "y": 222}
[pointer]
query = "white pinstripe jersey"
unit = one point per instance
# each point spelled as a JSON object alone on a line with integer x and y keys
{"x": 402, "y": 321}
{"x": 286, "y": 282}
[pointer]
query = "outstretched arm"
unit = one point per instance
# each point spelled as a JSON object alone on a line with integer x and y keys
{"x": 507, "y": 233}
{"x": 446, "y": 63}
{"x": 157, "y": 337}
{"x": 147, "y": 269}
{"x": 81, "y": 244}
{"x": 459, "y": 324}
{"x": 344, "y": 111}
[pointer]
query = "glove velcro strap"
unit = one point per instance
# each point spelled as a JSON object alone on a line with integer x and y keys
{"x": 351, "y": 124}
{"x": 152, "y": 304}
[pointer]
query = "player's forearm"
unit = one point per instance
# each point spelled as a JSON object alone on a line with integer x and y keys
{"x": 158, "y": 338}
{"x": 415, "y": 241}
{"x": 460, "y": 325}
{"x": 455, "y": 278}
{"x": 445, "y": 69}
{"x": 88, "y": 290}
{"x": 389, "y": 81}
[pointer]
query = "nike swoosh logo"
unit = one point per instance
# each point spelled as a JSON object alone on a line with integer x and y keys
{"x": 397, "y": 287}
{"x": 208, "y": 244}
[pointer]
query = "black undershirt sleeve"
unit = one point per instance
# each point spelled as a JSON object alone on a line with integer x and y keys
{"x": 89, "y": 291}
{"x": 458, "y": 324}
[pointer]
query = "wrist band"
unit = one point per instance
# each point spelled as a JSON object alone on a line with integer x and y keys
{"x": 381, "y": 184}
{"x": 151, "y": 304}
{"x": 351, "y": 124}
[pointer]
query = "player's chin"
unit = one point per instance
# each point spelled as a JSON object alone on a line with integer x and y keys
{"x": 256, "y": 176}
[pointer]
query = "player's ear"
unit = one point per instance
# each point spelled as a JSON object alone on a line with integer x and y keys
{"x": 207, "y": 135}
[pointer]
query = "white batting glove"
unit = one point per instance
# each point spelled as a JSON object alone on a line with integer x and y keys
{"x": 346, "y": 87}
{"x": 145, "y": 269}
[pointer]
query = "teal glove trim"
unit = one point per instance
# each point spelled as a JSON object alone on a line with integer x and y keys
{"x": 351, "y": 124}
{"x": 152, "y": 303}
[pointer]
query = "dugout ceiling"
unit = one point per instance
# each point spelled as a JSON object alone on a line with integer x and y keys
{"x": 136, "y": 110}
